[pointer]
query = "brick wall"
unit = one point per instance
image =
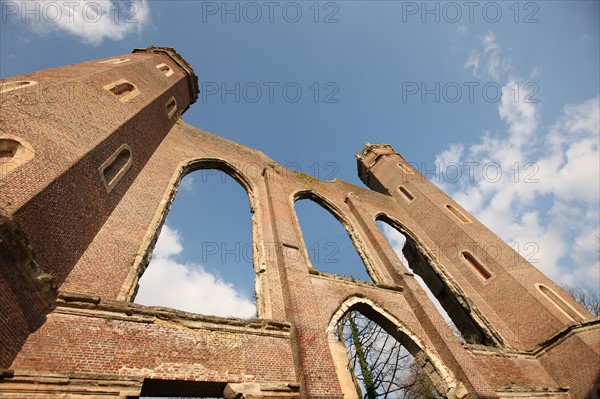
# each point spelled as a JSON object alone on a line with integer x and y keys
{"x": 96, "y": 245}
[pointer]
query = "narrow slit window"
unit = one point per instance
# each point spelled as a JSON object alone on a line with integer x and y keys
{"x": 115, "y": 167}
{"x": 114, "y": 61}
{"x": 560, "y": 303}
{"x": 171, "y": 107}
{"x": 406, "y": 193}
{"x": 405, "y": 168}
{"x": 123, "y": 90}
{"x": 164, "y": 68}
{"x": 478, "y": 267}
{"x": 5, "y": 87}
{"x": 459, "y": 215}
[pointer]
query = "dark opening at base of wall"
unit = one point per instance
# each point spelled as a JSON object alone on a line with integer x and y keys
{"x": 182, "y": 389}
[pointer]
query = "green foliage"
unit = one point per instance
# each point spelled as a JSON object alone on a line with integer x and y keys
{"x": 310, "y": 178}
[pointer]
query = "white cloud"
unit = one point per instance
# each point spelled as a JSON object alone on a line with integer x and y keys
{"x": 396, "y": 241}
{"x": 168, "y": 244}
{"x": 546, "y": 202}
{"x": 518, "y": 111}
{"x": 489, "y": 58}
{"x": 187, "y": 183}
{"x": 187, "y": 286}
{"x": 473, "y": 62}
{"x": 489, "y": 42}
{"x": 92, "y": 22}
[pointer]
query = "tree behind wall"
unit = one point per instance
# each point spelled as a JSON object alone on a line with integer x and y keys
{"x": 588, "y": 298}
{"x": 380, "y": 366}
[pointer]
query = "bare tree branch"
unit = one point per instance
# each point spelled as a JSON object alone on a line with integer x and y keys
{"x": 588, "y": 298}
{"x": 380, "y": 366}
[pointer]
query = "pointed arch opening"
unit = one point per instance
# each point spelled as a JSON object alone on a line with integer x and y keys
{"x": 202, "y": 261}
{"x": 383, "y": 358}
{"x": 329, "y": 245}
{"x": 433, "y": 283}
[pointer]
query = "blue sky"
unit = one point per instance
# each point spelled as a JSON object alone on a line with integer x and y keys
{"x": 423, "y": 77}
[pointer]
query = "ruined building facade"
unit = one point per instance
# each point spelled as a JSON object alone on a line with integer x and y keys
{"x": 92, "y": 156}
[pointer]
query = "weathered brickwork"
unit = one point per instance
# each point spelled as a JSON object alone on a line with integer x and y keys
{"x": 79, "y": 221}
{"x": 115, "y": 339}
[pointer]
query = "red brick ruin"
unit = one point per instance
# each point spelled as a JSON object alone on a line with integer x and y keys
{"x": 92, "y": 157}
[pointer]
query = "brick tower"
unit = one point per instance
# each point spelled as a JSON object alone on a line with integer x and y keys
{"x": 91, "y": 156}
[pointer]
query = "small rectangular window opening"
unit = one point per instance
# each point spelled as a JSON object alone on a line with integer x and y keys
{"x": 14, "y": 152}
{"x": 406, "y": 169}
{"x": 478, "y": 267}
{"x": 114, "y": 61}
{"x": 171, "y": 107}
{"x": 164, "y": 68}
{"x": 406, "y": 193}
{"x": 123, "y": 90}
{"x": 5, "y": 87}
{"x": 459, "y": 215}
{"x": 115, "y": 167}
{"x": 8, "y": 147}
